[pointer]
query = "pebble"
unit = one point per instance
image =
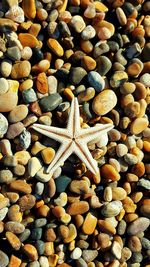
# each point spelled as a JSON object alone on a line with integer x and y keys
{"x": 88, "y": 33}
{"x": 4, "y": 260}
{"x": 26, "y": 202}
{"x": 18, "y": 113}
{"x": 145, "y": 243}
{"x": 3, "y": 213}
{"x": 121, "y": 150}
{"x": 144, "y": 183}
{"x": 3, "y": 125}
{"x": 95, "y": 80}
{"x": 78, "y": 208}
{"x": 6, "y": 176}
{"x": 76, "y": 75}
{"x": 29, "y": 96}
{"x": 104, "y": 102}
{"x": 14, "y": 227}
{"x": 137, "y": 226}
{"x": 61, "y": 183}
{"x": 89, "y": 224}
{"x": 5, "y": 68}
{"x": 21, "y": 70}
{"x": 14, "y": 53}
{"x": 31, "y": 252}
{"x": 9, "y": 100}
{"x": 118, "y": 79}
{"x": 112, "y": 209}
{"x": 76, "y": 253}
{"x": 14, "y": 130}
{"x": 109, "y": 172}
{"x": 50, "y": 102}
{"x": 34, "y": 165}
{"x": 4, "y": 86}
{"x": 78, "y": 23}
{"x": 15, "y": 13}
{"x": 89, "y": 255}
{"x": 56, "y": 48}
{"x": 118, "y": 193}
{"x": 52, "y": 84}
{"x": 116, "y": 250}
{"x": 20, "y": 186}
{"x": 138, "y": 125}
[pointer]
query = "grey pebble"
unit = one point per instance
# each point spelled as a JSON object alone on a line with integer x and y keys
{"x": 50, "y": 102}
{"x": 40, "y": 245}
{"x": 14, "y": 53}
{"x": 81, "y": 263}
{"x": 29, "y": 96}
{"x": 6, "y": 176}
{"x": 136, "y": 257}
{"x": 103, "y": 65}
{"x": 40, "y": 222}
{"x": 25, "y": 139}
{"x": 111, "y": 209}
{"x": 25, "y": 235}
{"x": 36, "y": 234}
{"x": 33, "y": 264}
{"x": 145, "y": 243}
{"x": 76, "y": 75}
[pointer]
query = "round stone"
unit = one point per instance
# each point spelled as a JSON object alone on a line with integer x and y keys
{"x": 104, "y": 102}
{"x": 18, "y": 113}
{"x": 4, "y": 86}
{"x": 3, "y": 125}
{"x": 78, "y": 23}
{"x": 88, "y": 33}
{"x": 95, "y": 80}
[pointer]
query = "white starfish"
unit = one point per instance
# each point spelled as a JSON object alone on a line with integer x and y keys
{"x": 73, "y": 139}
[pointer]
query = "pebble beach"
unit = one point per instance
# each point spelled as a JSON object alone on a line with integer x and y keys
{"x": 99, "y": 52}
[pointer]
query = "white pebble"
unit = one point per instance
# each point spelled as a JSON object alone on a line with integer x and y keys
{"x": 26, "y": 53}
{"x": 145, "y": 79}
{"x": 52, "y": 85}
{"x": 43, "y": 261}
{"x": 103, "y": 141}
{"x": 76, "y": 253}
{"x": 4, "y": 86}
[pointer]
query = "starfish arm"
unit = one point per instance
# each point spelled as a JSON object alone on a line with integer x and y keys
{"x": 73, "y": 125}
{"x": 96, "y": 132}
{"x": 64, "y": 151}
{"x": 52, "y": 132}
{"x": 82, "y": 151}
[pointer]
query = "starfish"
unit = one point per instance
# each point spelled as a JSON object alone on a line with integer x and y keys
{"x": 73, "y": 139}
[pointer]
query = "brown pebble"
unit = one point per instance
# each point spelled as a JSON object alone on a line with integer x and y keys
{"x": 109, "y": 172}
{"x": 26, "y": 202}
{"x": 21, "y": 70}
{"x": 13, "y": 240}
{"x": 78, "y": 208}
{"x": 31, "y": 252}
{"x": 20, "y": 186}
{"x": 134, "y": 244}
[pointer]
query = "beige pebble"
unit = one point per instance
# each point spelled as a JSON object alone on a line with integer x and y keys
{"x": 104, "y": 102}
{"x": 138, "y": 125}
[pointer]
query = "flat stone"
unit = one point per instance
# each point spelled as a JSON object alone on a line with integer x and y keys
{"x": 50, "y": 102}
{"x": 137, "y": 226}
{"x": 3, "y": 125}
{"x": 104, "y": 102}
{"x": 95, "y": 80}
{"x": 4, "y": 260}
